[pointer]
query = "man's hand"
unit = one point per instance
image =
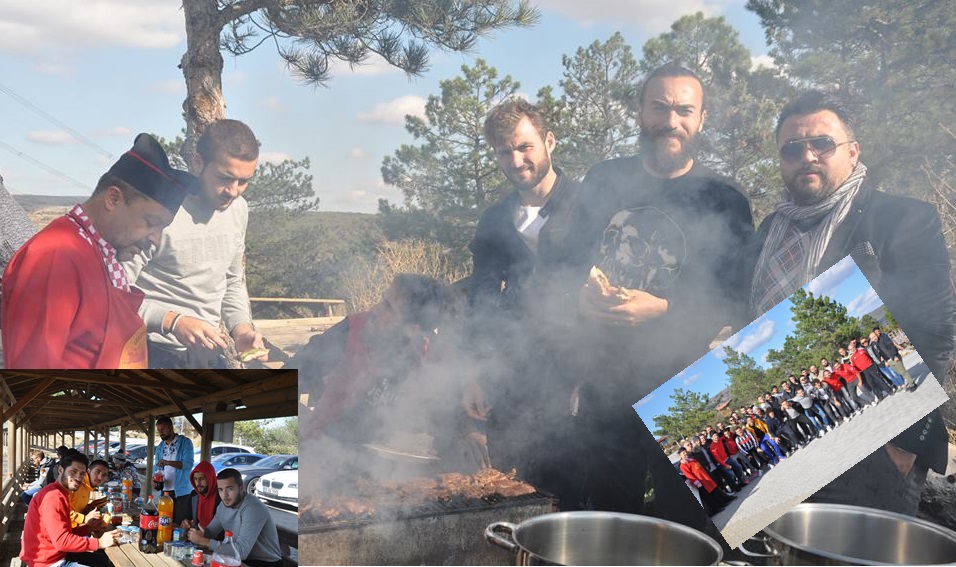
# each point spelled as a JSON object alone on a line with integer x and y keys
{"x": 108, "y": 539}
{"x": 626, "y": 307}
{"x": 95, "y": 524}
{"x": 246, "y": 338}
{"x": 196, "y": 333}
{"x": 188, "y": 524}
{"x": 195, "y": 535}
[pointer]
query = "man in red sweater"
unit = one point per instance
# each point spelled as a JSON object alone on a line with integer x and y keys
{"x": 871, "y": 374}
{"x": 66, "y": 300}
{"x": 720, "y": 453}
{"x": 714, "y": 498}
{"x": 48, "y": 538}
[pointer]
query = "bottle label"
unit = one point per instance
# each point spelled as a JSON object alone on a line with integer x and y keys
{"x": 165, "y": 521}
{"x": 148, "y": 522}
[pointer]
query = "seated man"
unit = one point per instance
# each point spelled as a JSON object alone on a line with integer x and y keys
{"x": 204, "y": 501}
{"x": 126, "y": 470}
{"x": 715, "y": 498}
{"x": 43, "y": 465}
{"x": 254, "y": 534}
{"x": 83, "y": 510}
{"x": 48, "y": 537}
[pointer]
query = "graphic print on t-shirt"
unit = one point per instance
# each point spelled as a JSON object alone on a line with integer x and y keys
{"x": 643, "y": 249}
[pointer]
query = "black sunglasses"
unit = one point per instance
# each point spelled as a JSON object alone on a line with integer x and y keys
{"x": 819, "y": 146}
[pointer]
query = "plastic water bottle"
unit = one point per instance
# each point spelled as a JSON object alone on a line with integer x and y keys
{"x": 226, "y": 555}
{"x": 165, "y": 520}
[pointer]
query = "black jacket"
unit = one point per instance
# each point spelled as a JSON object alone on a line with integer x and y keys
{"x": 897, "y": 242}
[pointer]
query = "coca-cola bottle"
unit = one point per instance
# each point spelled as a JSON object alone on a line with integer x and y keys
{"x": 159, "y": 479}
{"x": 148, "y": 527}
{"x": 226, "y": 555}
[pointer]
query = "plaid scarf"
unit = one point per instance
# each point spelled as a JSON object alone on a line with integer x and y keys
{"x": 796, "y": 241}
{"x": 89, "y": 232}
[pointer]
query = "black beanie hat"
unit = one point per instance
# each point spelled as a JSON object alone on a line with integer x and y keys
{"x": 146, "y": 168}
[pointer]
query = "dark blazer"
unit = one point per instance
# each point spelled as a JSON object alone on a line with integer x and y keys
{"x": 505, "y": 268}
{"x": 897, "y": 242}
{"x": 886, "y": 346}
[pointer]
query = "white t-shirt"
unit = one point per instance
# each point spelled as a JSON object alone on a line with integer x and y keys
{"x": 529, "y": 224}
{"x": 169, "y": 454}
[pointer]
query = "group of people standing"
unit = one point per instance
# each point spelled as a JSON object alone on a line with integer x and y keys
{"x": 722, "y": 459}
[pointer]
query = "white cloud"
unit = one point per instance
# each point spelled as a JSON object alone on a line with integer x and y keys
{"x": 644, "y": 400}
{"x": 67, "y": 25}
{"x": 828, "y": 282}
{"x": 114, "y": 132}
{"x": 373, "y": 66}
{"x": 749, "y": 342}
{"x": 272, "y": 103}
{"x": 358, "y": 153}
{"x": 394, "y": 111}
{"x": 764, "y": 60}
{"x": 652, "y": 16}
{"x": 273, "y": 157}
{"x": 692, "y": 378}
{"x": 51, "y": 137}
{"x": 866, "y": 302}
{"x": 54, "y": 69}
{"x": 172, "y": 86}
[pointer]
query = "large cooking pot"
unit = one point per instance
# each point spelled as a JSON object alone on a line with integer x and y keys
{"x": 603, "y": 538}
{"x": 836, "y": 534}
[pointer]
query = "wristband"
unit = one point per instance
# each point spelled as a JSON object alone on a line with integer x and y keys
{"x": 172, "y": 326}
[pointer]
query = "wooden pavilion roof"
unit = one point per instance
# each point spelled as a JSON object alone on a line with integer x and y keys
{"x": 50, "y": 401}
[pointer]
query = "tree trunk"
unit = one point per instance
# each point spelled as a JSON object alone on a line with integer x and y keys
{"x": 202, "y": 67}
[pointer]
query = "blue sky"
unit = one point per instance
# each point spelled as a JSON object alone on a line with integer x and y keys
{"x": 107, "y": 69}
{"x": 844, "y": 282}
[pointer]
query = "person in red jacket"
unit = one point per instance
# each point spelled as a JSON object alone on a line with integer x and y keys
{"x": 715, "y": 498}
{"x": 848, "y": 376}
{"x": 735, "y": 454}
{"x": 48, "y": 538}
{"x": 720, "y": 454}
{"x": 66, "y": 300}
{"x": 870, "y": 372}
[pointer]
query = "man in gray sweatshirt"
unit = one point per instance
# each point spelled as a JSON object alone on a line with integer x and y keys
{"x": 254, "y": 533}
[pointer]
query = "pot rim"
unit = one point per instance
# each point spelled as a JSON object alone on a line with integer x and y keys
{"x": 846, "y": 508}
{"x": 597, "y": 514}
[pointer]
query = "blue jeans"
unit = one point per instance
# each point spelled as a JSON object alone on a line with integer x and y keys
{"x": 821, "y": 414}
{"x": 28, "y": 495}
{"x": 771, "y": 449}
{"x": 893, "y": 375}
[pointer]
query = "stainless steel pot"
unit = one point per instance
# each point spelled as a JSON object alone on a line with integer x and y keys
{"x": 835, "y": 534}
{"x": 603, "y": 538}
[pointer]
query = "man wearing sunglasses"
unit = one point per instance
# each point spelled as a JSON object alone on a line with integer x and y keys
{"x": 195, "y": 279}
{"x": 831, "y": 209}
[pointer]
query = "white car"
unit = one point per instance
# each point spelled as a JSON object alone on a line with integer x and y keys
{"x": 279, "y": 486}
{"x": 222, "y": 448}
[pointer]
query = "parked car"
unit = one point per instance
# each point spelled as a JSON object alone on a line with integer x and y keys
{"x": 252, "y": 473}
{"x": 280, "y": 486}
{"x": 222, "y": 449}
{"x": 228, "y": 460}
{"x": 138, "y": 454}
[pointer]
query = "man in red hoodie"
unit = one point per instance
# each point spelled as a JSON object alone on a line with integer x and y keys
{"x": 48, "y": 538}
{"x": 204, "y": 500}
{"x": 720, "y": 453}
{"x": 848, "y": 375}
{"x": 871, "y": 374}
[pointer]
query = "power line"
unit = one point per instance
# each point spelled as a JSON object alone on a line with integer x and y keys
{"x": 76, "y": 135}
{"x": 44, "y": 166}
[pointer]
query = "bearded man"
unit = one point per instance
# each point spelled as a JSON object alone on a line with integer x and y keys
{"x": 667, "y": 233}
{"x": 830, "y": 209}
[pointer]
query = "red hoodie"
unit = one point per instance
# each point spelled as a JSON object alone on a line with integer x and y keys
{"x": 47, "y": 535}
{"x": 206, "y": 503}
{"x": 694, "y": 471}
{"x": 846, "y": 371}
{"x": 834, "y": 382}
{"x": 719, "y": 453}
{"x": 731, "y": 446}
{"x": 860, "y": 359}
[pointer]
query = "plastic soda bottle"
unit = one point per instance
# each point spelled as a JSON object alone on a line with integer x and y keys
{"x": 226, "y": 555}
{"x": 148, "y": 527}
{"x": 165, "y": 508}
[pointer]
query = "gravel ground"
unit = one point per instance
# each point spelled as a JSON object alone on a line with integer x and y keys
{"x": 766, "y": 498}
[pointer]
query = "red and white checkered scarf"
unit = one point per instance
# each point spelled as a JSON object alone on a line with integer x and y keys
{"x": 89, "y": 232}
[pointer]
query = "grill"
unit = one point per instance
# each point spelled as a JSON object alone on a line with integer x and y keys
{"x": 448, "y": 532}
{"x": 271, "y": 484}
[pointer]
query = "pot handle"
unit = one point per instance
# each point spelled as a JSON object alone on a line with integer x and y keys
{"x": 507, "y": 541}
{"x": 771, "y": 553}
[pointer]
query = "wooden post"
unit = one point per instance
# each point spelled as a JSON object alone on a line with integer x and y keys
{"x": 11, "y": 447}
{"x": 86, "y": 441}
{"x": 150, "y": 436}
{"x": 122, "y": 447}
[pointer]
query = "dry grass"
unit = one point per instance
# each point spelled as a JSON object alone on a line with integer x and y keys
{"x": 367, "y": 281}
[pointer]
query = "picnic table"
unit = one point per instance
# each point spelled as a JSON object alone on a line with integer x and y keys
{"x": 129, "y": 555}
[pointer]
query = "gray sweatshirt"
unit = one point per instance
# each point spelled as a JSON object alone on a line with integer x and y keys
{"x": 197, "y": 270}
{"x": 253, "y": 531}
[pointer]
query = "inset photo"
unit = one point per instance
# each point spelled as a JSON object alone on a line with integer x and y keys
{"x": 792, "y": 401}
